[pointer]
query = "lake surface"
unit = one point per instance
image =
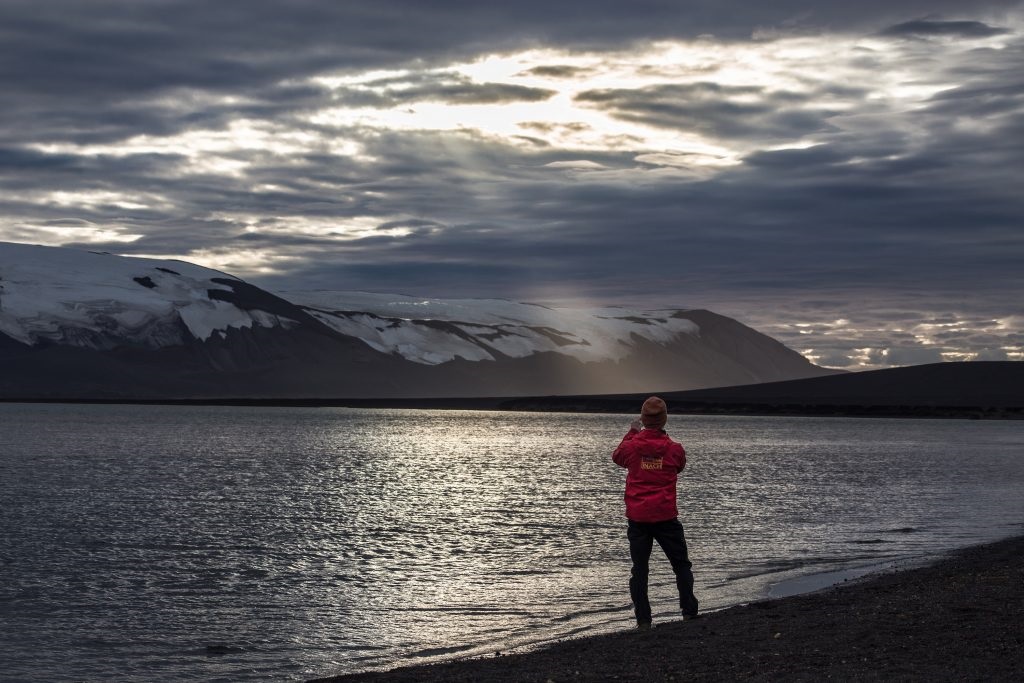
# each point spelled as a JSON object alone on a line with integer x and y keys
{"x": 159, "y": 543}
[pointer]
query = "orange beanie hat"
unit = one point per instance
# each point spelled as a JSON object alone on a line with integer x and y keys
{"x": 654, "y": 413}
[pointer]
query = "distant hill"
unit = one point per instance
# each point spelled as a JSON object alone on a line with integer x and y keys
{"x": 974, "y": 389}
{"x": 82, "y": 325}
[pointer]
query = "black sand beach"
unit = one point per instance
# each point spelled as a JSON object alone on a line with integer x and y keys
{"x": 959, "y": 619}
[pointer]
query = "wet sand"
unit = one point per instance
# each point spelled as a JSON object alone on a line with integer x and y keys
{"x": 960, "y": 619}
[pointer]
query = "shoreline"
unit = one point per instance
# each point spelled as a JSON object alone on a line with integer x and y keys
{"x": 957, "y": 618}
{"x": 573, "y": 405}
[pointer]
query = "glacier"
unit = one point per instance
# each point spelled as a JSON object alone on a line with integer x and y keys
{"x": 99, "y": 300}
{"x": 433, "y": 331}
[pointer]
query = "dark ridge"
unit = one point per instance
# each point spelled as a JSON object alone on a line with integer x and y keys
{"x": 10, "y": 343}
{"x": 498, "y": 333}
{"x": 249, "y": 297}
{"x": 168, "y": 270}
{"x": 976, "y": 383}
{"x": 557, "y": 337}
{"x": 629, "y": 318}
{"x": 990, "y": 400}
{"x": 979, "y": 389}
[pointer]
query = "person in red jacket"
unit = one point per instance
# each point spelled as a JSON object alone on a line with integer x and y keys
{"x": 654, "y": 461}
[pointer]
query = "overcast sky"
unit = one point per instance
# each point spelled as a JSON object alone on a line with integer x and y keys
{"x": 844, "y": 176}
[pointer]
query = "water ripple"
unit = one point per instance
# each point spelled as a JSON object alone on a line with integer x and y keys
{"x": 173, "y": 543}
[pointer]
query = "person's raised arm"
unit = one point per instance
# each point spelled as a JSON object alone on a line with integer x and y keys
{"x": 621, "y": 455}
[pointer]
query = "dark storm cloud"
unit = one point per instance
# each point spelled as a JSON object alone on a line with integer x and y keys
{"x": 28, "y": 167}
{"x": 235, "y": 45}
{"x": 413, "y": 223}
{"x": 991, "y": 102}
{"x": 892, "y": 216}
{"x": 450, "y": 90}
{"x": 952, "y": 29}
{"x": 716, "y": 110}
{"x": 546, "y": 127}
{"x": 558, "y": 71}
{"x": 110, "y": 69}
{"x": 467, "y": 93}
{"x": 585, "y": 221}
{"x": 19, "y": 160}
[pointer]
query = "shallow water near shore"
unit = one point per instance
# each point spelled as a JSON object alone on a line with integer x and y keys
{"x": 225, "y": 543}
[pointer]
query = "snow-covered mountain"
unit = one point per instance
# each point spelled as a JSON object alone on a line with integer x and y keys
{"x": 79, "y": 324}
{"x": 101, "y": 301}
{"x": 433, "y": 331}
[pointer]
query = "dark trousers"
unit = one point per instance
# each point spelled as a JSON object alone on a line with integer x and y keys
{"x": 669, "y": 535}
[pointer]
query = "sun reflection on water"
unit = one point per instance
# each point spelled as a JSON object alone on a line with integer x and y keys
{"x": 316, "y": 541}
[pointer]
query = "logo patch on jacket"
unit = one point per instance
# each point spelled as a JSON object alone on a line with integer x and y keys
{"x": 651, "y": 463}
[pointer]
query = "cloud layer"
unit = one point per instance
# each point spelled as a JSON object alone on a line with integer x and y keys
{"x": 843, "y": 177}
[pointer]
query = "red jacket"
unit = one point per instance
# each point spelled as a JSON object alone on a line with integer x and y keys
{"x": 653, "y": 461}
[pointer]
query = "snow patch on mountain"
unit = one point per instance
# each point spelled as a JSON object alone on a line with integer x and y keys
{"x": 434, "y": 331}
{"x": 98, "y": 300}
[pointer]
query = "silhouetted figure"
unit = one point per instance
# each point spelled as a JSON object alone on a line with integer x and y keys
{"x": 654, "y": 462}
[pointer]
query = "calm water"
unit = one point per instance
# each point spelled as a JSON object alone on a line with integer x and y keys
{"x": 176, "y": 543}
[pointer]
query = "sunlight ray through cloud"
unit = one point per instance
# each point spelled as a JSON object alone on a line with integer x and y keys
{"x": 760, "y": 165}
